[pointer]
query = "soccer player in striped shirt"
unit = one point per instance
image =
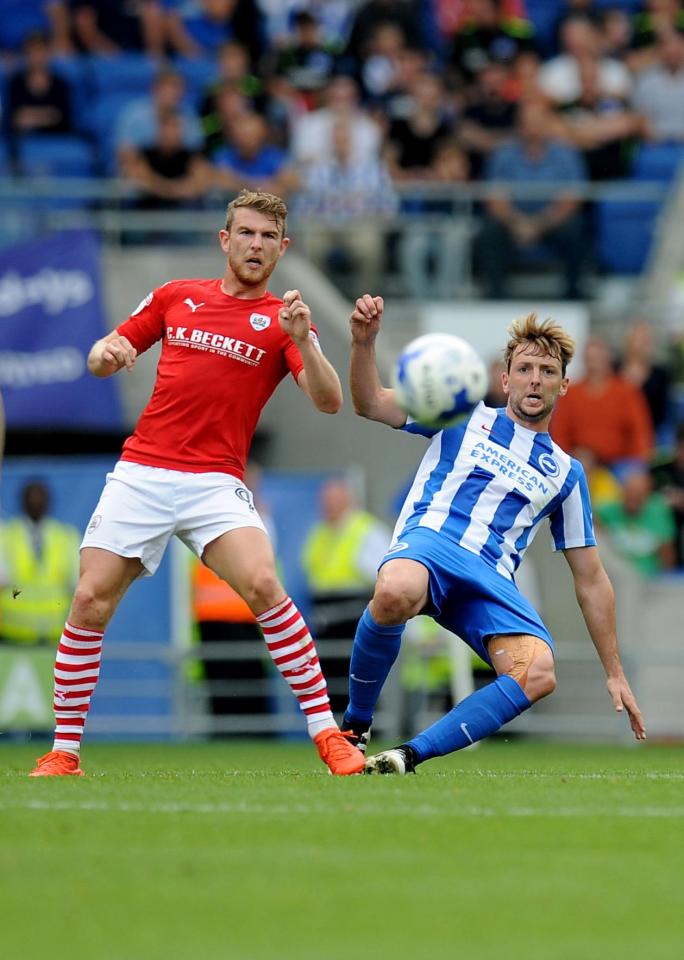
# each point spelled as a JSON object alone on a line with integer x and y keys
{"x": 226, "y": 345}
{"x": 477, "y": 501}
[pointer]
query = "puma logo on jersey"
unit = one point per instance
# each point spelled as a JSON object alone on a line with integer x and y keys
{"x": 193, "y": 306}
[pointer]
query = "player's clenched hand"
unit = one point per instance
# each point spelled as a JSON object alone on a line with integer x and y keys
{"x": 623, "y": 698}
{"x": 119, "y": 352}
{"x": 295, "y": 316}
{"x": 366, "y": 318}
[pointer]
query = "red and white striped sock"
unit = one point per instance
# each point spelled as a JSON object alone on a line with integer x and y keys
{"x": 294, "y": 654}
{"x": 77, "y": 668}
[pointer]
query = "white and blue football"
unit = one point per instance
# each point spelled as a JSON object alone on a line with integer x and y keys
{"x": 438, "y": 379}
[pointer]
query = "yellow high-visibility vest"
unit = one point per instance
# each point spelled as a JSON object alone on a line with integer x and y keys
{"x": 330, "y": 554}
{"x": 43, "y": 585}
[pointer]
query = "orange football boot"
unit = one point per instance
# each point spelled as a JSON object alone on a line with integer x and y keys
{"x": 57, "y": 763}
{"x": 337, "y": 753}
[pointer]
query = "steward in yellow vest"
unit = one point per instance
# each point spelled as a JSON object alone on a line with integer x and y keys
{"x": 40, "y": 560}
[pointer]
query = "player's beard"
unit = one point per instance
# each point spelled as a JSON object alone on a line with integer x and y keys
{"x": 543, "y": 412}
{"x": 251, "y": 278}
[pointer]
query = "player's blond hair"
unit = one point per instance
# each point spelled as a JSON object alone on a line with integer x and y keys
{"x": 546, "y": 336}
{"x": 266, "y": 203}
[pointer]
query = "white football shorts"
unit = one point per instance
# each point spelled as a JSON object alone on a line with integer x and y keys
{"x": 141, "y": 508}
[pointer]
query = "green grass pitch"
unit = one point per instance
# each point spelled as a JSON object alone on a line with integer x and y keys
{"x": 250, "y": 851}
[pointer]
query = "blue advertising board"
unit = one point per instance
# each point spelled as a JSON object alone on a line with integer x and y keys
{"x": 51, "y": 313}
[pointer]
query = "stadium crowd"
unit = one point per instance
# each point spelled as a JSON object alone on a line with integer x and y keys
{"x": 351, "y": 108}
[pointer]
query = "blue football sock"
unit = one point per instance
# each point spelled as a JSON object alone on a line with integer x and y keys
{"x": 476, "y": 717}
{"x": 375, "y": 650}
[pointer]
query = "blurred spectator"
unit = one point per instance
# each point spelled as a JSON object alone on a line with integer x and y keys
{"x": 234, "y": 75}
{"x": 514, "y": 225}
{"x": 229, "y": 106}
{"x": 489, "y": 31}
{"x": 641, "y": 526}
{"x": 668, "y": 478}
{"x": 138, "y": 123}
{"x": 599, "y": 125}
{"x": 495, "y": 392}
{"x": 305, "y": 61}
{"x": 38, "y": 100}
{"x": 103, "y": 27}
{"x": 371, "y": 14}
{"x": 604, "y": 486}
{"x": 412, "y": 142}
{"x": 489, "y": 118}
{"x": 433, "y": 259}
{"x": 639, "y": 366}
{"x": 604, "y": 413}
{"x": 658, "y": 18}
{"x": 340, "y": 558}
{"x": 195, "y": 28}
{"x": 20, "y": 18}
{"x": 312, "y": 139}
{"x": 616, "y": 33}
{"x": 333, "y": 16}
{"x": 251, "y": 161}
{"x": 40, "y": 557}
{"x": 380, "y": 69}
{"x": 168, "y": 174}
{"x": 659, "y": 94}
{"x": 342, "y": 206}
{"x": 560, "y": 78}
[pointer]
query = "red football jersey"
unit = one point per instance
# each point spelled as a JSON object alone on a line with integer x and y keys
{"x": 221, "y": 359}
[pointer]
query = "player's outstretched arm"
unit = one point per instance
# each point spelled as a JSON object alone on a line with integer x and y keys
{"x": 371, "y": 399}
{"x": 597, "y": 601}
{"x": 111, "y": 354}
{"x": 318, "y": 379}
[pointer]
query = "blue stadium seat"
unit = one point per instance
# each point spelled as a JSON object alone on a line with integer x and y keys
{"x": 19, "y": 18}
{"x": 102, "y": 121}
{"x": 544, "y": 15}
{"x": 5, "y": 166}
{"x": 624, "y": 233}
{"x": 658, "y": 161}
{"x": 198, "y": 75}
{"x": 131, "y": 73}
{"x": 46, "y": 155}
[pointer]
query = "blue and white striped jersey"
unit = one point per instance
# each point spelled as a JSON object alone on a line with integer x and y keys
{"x": 486, "y": 485}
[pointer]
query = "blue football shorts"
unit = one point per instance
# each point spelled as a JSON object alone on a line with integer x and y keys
{"x": 467, "y": 595}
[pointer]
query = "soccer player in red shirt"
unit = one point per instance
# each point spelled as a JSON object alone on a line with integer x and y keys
{"x": 226, "y": 345}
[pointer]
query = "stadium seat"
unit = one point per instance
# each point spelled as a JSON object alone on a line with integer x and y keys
{"x": 198, "y": 75}
{"x": 624, "y": 233}
{"x": 131, "y": 73}
{"x": 19, "y": 18}
{"x": 66, "y": 156}
{"x": 658, "y": 161}
{"x": 102, "y": 121}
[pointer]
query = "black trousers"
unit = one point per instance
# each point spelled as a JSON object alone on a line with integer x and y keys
{"x": 225, "y": 670}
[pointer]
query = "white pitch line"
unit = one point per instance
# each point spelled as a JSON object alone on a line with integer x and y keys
{"x": 419, "y": 810}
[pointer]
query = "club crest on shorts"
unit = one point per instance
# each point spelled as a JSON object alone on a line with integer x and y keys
{"x": 94, "y": 523}
{"x": 243, "y": 494}
{"x": 260, "y": 321}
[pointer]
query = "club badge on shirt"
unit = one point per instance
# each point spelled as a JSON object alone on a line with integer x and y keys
{"x": 259, "y": 321}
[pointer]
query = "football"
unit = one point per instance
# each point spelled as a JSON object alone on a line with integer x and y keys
{"x": 438, "y": 379}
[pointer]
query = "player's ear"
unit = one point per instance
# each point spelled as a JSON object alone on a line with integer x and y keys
{"x": 284, "y": 244}
{"x": 564, "y": 386}
{"x": 224, "y": 240}
{"x": 504, "y": 382}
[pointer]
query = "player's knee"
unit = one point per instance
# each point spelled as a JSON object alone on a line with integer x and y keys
{"x": 91, "y": 608}
{"x": 392, "y": 604}
{"x": 528, "y": 660}
{"x": 541, "y": 678}
{"x": 264, "y": 591}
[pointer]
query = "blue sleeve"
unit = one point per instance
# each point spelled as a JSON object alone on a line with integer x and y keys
{"x": 498, "y": 166}
{"x": 571, "y": 522}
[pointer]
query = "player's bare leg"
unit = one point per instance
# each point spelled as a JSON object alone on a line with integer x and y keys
{"x": 103, "y": 580}
{"x": 244, "y": 559}
{"x": 526, "y": 659}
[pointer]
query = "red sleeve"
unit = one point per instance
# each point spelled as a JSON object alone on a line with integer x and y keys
{"x": 293, "y": 357}
{"x": 146, "y": 324}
